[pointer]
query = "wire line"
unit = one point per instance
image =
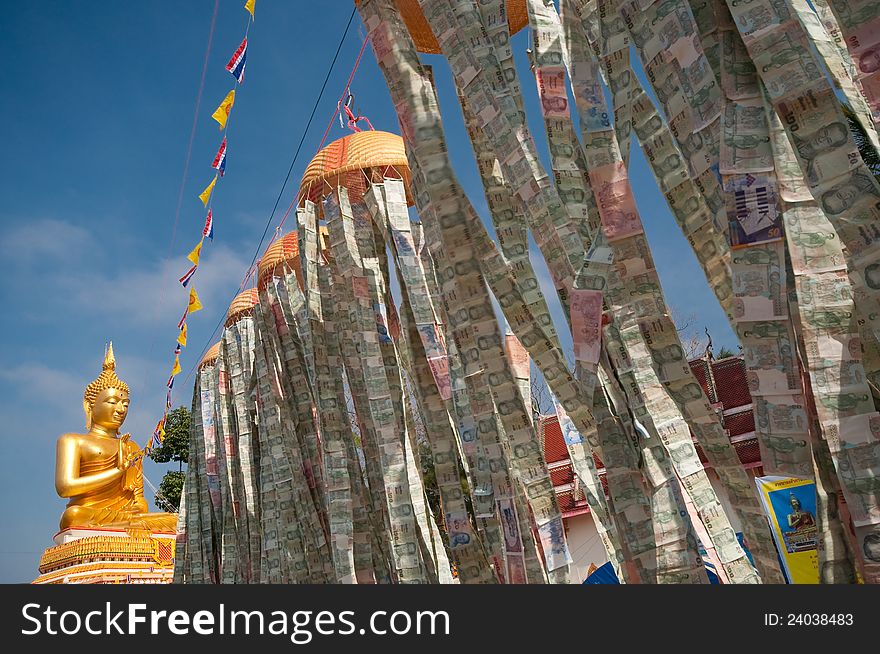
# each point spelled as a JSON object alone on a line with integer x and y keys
{"x": 283, "y": 186}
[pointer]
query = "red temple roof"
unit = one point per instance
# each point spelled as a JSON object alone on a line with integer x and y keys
{"x": 723, "y": 381}
{"x": 730, "y": 382}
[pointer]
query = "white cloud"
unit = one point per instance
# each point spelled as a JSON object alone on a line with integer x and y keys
{"x": 46, "y": 238}
{"x": 77, "y": 278}
{"x": 58, "y": 393}
{"x": 50, "y": 387}
{"x": 152, "y": 296}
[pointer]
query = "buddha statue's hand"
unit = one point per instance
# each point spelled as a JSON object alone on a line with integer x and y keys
{"x": 127, "y": 453}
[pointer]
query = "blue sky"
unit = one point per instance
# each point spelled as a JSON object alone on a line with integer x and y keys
{"x": 97, "y": 109}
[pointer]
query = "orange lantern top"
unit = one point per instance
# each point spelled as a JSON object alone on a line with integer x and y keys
{"x": 281, "y": 256}
{"x": 423, "y": 36}
{"x": 352, "y": 162}
{"x": 242, "y": 305}
{"x": 210, "y": 357}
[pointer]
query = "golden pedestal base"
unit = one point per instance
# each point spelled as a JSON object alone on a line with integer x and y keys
{"x": 108, "y": 556}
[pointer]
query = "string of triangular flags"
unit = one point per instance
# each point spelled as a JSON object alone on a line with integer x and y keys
{"x": 235, "y": 67}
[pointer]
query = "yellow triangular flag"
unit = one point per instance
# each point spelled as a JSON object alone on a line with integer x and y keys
{"x": 194, "y": 304}
{"x": 196, "y": 252}
{"x": 176, "y": 369}
{"x": 249, "y": 5}
{"x": 205, "y": 195}
{"x": 223, "y": 110}
{"x": 181, "y": 338}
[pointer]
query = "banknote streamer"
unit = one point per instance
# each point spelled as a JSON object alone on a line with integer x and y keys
{"x": 682, "y": 153}
{"x": 501, "y": 123}
{"x": 825, "y": 32}
{"x": 857, "y": 24}
{"x": 520, "y": 365}
{"x": 241, "y": 431}
{"x": 370, "y": 543}
{"x": 835, "y": 174}
{"x": 433, "y": 552}
{"x": 696, "y": 206}
{"x": 566, "y": 157}
{"x": 352, "y": 296}
{"x": 351, "y": 252}
{"x": 760, "y": 285}
{"x": 668, "y": 374}
{"x": 844, "y": 189}
{"x": 297, "y": 345}
{"x": 181, "y": 553}
{"x": 694, "y": 203}
{"x": 283, "y": 548}
{"x": 831, "y": 339}
{"x": 476, "y": 136}
{"x": 230, "y": 485}
{"x": 289, "y": 344}
{"x": 518, "y": 429}
{"x": 387, "y": 204}
{"x": 197, "y": 565}
{"x": 513, "y": 243}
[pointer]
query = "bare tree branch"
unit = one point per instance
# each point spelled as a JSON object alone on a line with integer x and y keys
{"x": 692, "y": 337}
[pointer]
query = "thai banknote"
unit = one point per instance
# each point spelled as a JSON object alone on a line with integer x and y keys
{"x": 858, "y": 22}
{"x": 813, "y": 244}
{"x": 759, "y": 285}
{"x": 753, "y": 210}
{"x": 739, "y": 78}
{"x": 615, "y": 200}
{"x": 586, "y": 324}
{"x": 785, "y": 62}
{"x": 745, "y": 142}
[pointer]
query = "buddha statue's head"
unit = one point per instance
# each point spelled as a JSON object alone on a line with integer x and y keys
{"x": 106, "y": 399}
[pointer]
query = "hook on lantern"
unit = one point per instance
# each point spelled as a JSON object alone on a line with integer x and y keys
{"x": 352, "y": 119}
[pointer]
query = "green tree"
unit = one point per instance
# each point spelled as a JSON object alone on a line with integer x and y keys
{"x": 170, "y": 490}
{"x": 174, "y": 447}
{"x": 725, "y": 352}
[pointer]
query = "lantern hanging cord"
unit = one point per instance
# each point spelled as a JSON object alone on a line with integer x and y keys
{"x": 346, "y": 91}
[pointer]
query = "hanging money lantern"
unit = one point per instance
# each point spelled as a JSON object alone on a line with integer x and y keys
{"x": 280, "y": 259}
{"x": 353, "y": 162}
{"x": 348, "y": 287}
{"x": 361, "y": 221}
{"x": 294, "y": 505}
{"x": 235, "y": 369}
{"x": 242, "y": 306}
{"x": 205, "y": 487}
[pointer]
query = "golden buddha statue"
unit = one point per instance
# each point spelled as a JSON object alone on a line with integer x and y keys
{"x": 100, "y": 471}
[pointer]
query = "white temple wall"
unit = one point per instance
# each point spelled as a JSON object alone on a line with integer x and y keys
{"x": 584, "y": 544}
